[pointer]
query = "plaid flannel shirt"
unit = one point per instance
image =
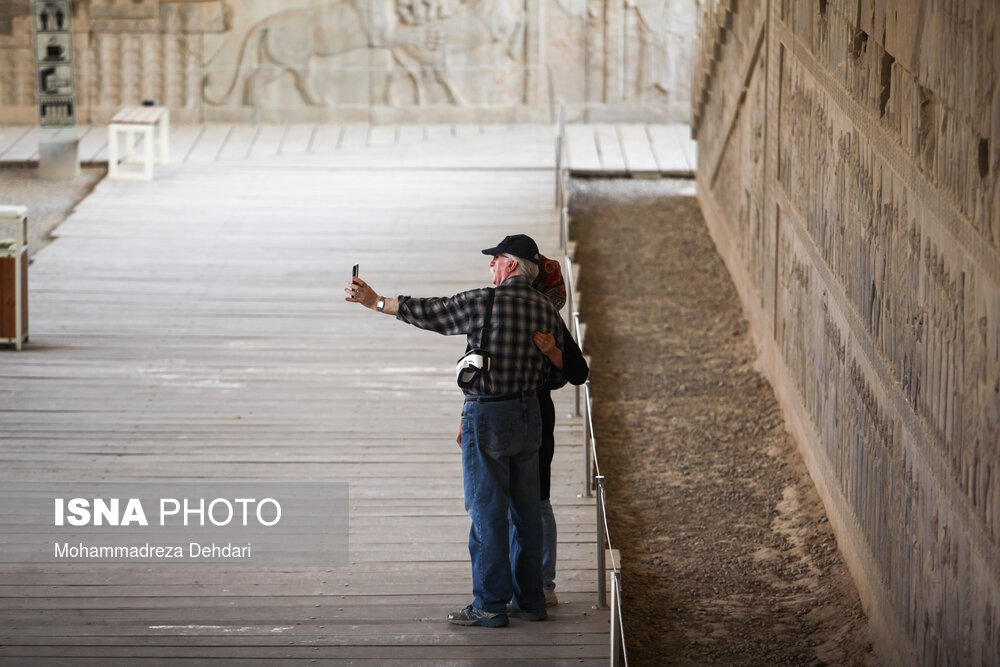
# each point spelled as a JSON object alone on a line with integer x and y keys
{"x": 519, "y": 310}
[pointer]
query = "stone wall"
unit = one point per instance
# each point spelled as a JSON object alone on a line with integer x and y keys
{"x": 367, "y": 60}
{"x": 848, "y": 170}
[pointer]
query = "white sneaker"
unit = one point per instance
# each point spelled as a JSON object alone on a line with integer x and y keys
{"x": 550, "y": 597}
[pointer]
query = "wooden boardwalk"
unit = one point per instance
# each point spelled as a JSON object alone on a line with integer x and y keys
{"x": 624, "y": 149}
{"x": 193, "y": 328}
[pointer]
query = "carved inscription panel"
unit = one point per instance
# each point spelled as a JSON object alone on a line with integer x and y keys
{"x": 930, "y": 311}
{"x": 881, "y": 220}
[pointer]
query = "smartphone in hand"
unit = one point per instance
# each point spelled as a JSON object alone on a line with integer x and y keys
{"x": 354, "y": 272}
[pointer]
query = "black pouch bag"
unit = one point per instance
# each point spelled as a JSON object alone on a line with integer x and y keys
{"x": 477, "y": 361}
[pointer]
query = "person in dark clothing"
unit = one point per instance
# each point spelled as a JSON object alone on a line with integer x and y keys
{"x": 573, "y": 367}
{"x": 501, "y": 424}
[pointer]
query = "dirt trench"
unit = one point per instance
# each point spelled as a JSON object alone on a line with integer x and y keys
{"x": 727, "y": 554}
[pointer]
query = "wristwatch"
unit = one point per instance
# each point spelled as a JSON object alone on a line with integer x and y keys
{"x": 381, "y": 304}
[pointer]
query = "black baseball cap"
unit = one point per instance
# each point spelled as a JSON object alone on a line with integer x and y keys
{"x": 519, "y": 245}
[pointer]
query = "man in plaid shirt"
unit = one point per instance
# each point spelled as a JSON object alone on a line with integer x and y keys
{"x": 501, "y": 426}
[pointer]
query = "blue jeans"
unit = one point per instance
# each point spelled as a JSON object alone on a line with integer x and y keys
{"x": 500, "y": 465}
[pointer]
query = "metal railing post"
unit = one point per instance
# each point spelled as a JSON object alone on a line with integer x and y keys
{"x": 576, "y": 401}
{"x": 564, "y": 228}
{"x": 593, "y": 480}
{"x": 560, "y": 185}
{"x": 587, "y": 476}
{"x": 570, "y": 281}
{"x": 552, "y": 93}
{"x": 560, "y": 142}
{"x": 563, "y": 241}
{"x": 559, "y": 190}
{"x": 602, "y": 586}
{"x": 616, "y": 637}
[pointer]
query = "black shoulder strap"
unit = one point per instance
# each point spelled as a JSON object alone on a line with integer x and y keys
{"x": 484, "y": 336}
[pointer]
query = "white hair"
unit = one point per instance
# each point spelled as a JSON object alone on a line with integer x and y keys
{"x": 525, "y": 267}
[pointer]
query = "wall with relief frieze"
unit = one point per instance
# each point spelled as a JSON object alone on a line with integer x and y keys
{"x": 368, "y": 60}
{"x": 849, "y": 172}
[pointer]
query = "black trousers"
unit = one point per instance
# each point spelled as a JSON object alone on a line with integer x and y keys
{"x": 548, "y": 448}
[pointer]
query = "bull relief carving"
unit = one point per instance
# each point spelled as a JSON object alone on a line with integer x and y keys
{"x": 421, "y": 37}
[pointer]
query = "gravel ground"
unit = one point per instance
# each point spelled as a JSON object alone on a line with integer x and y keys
{"x": 727, "y": 555}
{"x": 48, "y": 202}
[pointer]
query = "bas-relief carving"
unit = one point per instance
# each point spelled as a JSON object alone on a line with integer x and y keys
{"x": 160, "y": 16}
{"x": 879, "y": 306}
{"x": 416, "y": 59}
{"x": 664, "y": 29}
{"x": 122, "y": 9}
{"x": 909, "y": 284}
{"x": 205, "y": 16}
{"x": 573, "y": 8}
{"x": 422, "y": 37}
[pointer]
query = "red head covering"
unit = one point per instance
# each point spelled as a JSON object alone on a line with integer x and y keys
{"x": 550, "y": 281}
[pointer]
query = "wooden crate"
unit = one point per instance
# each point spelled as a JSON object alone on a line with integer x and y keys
{"x": 9, "y": 300}
{"x": 13, "y": 275}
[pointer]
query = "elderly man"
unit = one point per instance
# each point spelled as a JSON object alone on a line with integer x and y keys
{"x": 501, "y": 424}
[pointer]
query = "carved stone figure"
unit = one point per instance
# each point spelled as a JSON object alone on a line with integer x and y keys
{"x": 455, "y": 26}
{"x": 663, "y": 25}
{"x": 418, "y": 33}
{"x": 286, "y": 42}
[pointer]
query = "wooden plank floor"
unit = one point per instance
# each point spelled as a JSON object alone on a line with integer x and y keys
{"x": 624, "y": 149}
{"x": 193, "y": 328}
